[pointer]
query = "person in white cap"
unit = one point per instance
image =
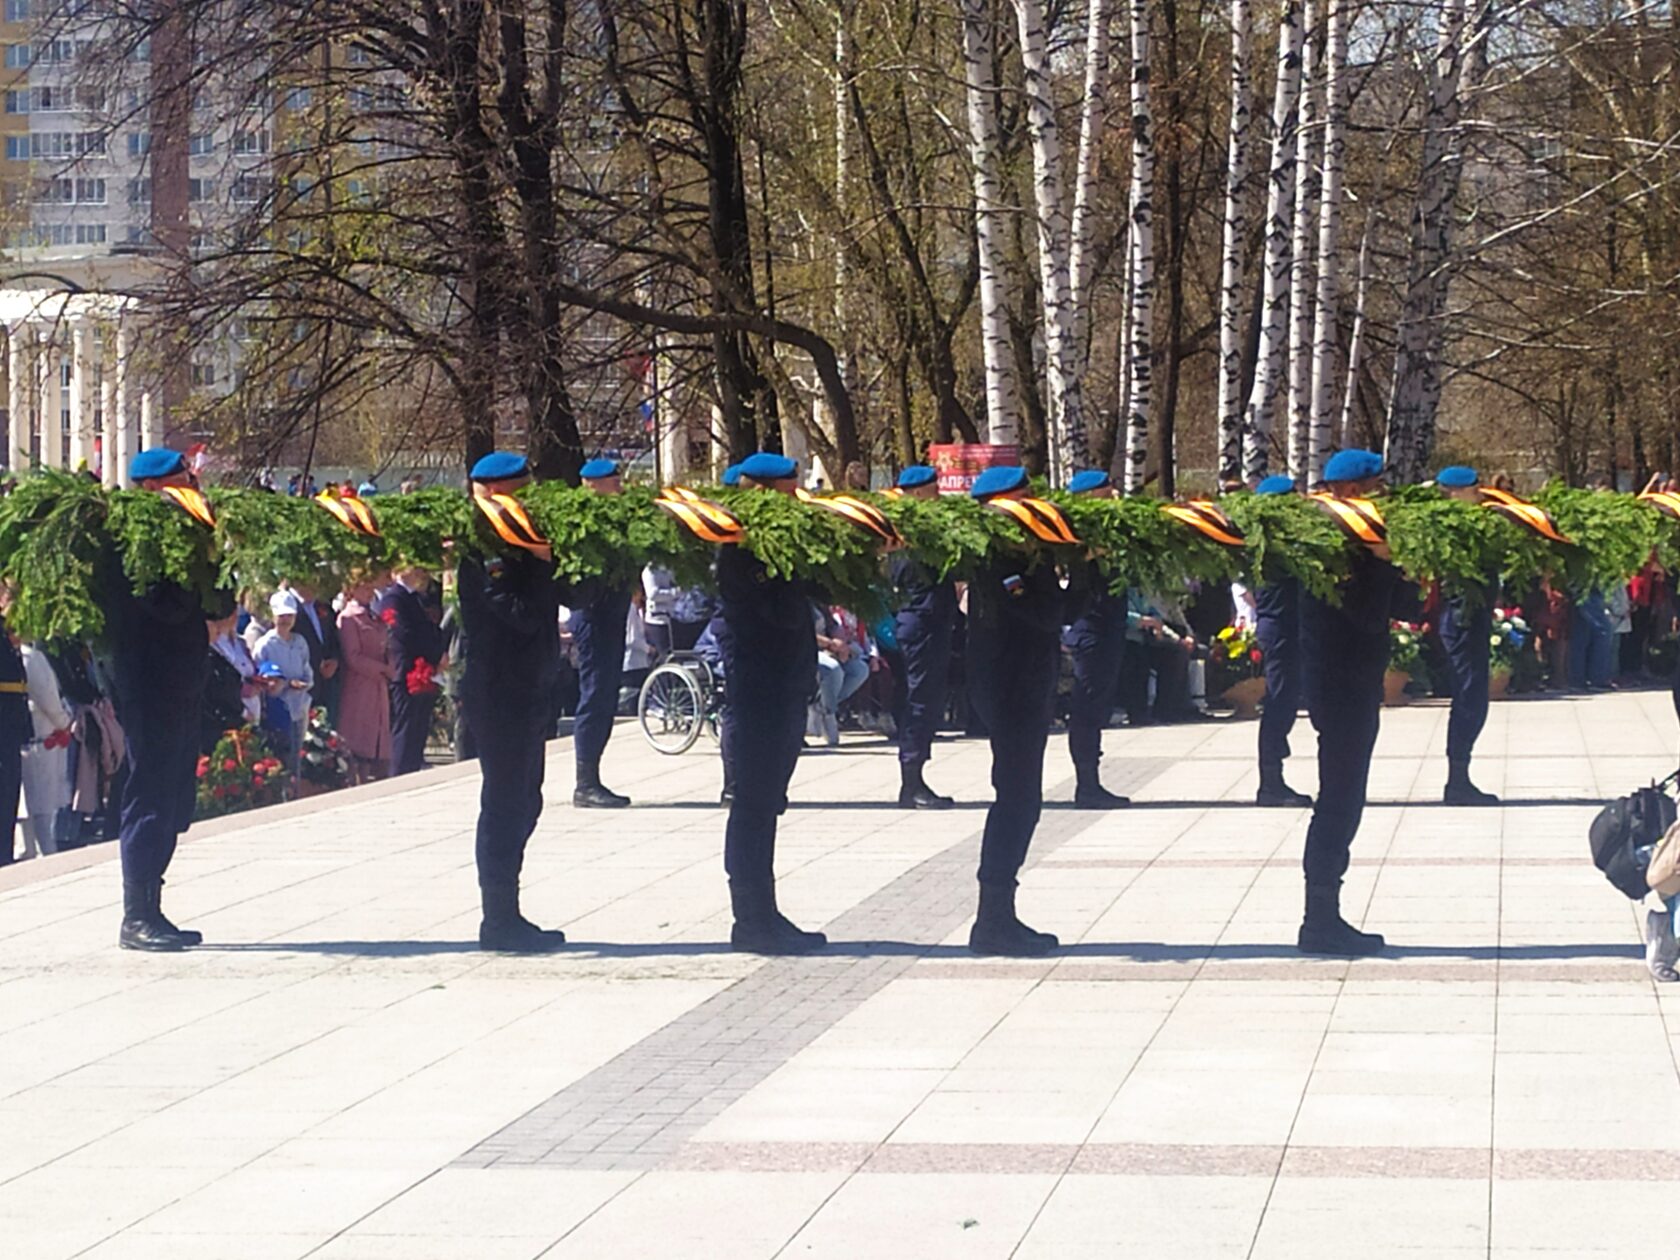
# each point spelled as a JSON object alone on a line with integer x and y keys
{"x": 288, "y": 650}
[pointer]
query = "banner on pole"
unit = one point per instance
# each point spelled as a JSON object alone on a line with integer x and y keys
{"x": 959, "y": 463}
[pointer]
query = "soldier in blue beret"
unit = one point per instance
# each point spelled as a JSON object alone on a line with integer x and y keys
{"x": 1277, "y": 625}
{"x": 510, "y": 624}
{"x": 1013, "y": 659}
{"x": 1096, "y": 642}
{"x": 160, "y": 668}
{"x": 598, "y": 628}
{"x": 927, "y": 615}
{"x": 732, "y": 475}
{"x": 1466, "y": 636}
{"x": 1345, "y": 648}
{"x": 770, "y": 654}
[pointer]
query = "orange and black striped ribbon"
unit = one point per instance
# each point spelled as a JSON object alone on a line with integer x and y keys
{"x": 1359, "y": 517}
{"x": 681, "y": 493}
{"x": 1492, "y": 495}
{"x": 191, "y": 501}
{"x": 1529, "y": 515}
{"x": 1043, "y": 520}
{"x": 855, "y": 510}
{"x": 352, "y": 512}
{"x": 1206, "y": 518}
{"x": 1665, "y": 501}
{"x": 508, "y": 518}
{"x": 709, "y": 522}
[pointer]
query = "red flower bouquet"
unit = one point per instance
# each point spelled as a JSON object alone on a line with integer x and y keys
{"x": 422, "y": 679}
{"x": 242, "y": 773}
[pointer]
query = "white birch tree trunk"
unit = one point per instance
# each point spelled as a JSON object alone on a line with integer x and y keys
{"x": 1325, "y": 312}
{"x": 1280, "y": 202}
{"x": 1301, "y": 242}
{"x": 1356, "y": 338}
{"x": 1002, "y": 400}
{"x": 1416, "y": 369}
{"x": 842, "y": 172}
{"x": 1142, "y": 253}
{"x": 1231, "y": 248}
{"x": 1093, "y": 114}
{"x": 1065, "y": 411}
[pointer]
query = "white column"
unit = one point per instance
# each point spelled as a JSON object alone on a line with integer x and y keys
{"x": 120, "y": 429}
{"x": 110, "y": 472}
{"x": 17, "y": 398}
{"x": 148, "y": 422}
{"x": 48, "y": 412}
{"x": 81, "y": 394}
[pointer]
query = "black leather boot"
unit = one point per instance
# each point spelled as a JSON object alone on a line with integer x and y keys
{"x": 761, "y": 928}
{"x": 591, "y": 794}
{"x": 143, "y": 927}
{"x": 998, "y": 933}
{"x": 1324, "y": 931}
{"x": 189, "y": 936}
{"x": 914, "y": 793}
{"x": 1274, "y": 791}
{"x": 1459, "y": 789}
{"x": 1089, "y": 793}
{"x": 504, "y": 930}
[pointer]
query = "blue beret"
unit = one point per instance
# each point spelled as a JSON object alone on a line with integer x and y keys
{"x": 595, "y": 469}
{"x": 916, "y": 475}
{"x": 1277, "y": 483}
{"x": 1353, "y": 465}
{"x": 1088, "y": 480}
{"x": 764, "y": 466}
{"x": 367, "y": 488}
{"x": 1458, "y": 477}
{"x": 732, "y": 475}
{"x": 500, "y": 466}
{"x": 159, "y": 461}
{"x": 996, "y": 481}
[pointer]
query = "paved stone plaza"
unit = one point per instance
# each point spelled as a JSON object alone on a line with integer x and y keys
{"x": 340, "y": 1074}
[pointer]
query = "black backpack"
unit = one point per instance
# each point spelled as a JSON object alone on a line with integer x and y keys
{"x": 1624, "y": 827}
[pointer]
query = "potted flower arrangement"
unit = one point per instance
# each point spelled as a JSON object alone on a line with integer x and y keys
{"x": 323, "y": 764}
{"x": 241, "y": 773}
{"x": 1511, "y": 650}
{"x": 1405, "y": 660}
{"x": 1235, "y": 660}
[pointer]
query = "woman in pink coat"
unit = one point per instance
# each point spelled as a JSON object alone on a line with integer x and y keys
{"x": 364, "y": 703}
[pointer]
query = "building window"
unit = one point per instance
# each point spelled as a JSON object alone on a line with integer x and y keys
{"x": 90, "y": 233}
{"x": 17, "y": 102}
{"x": 199, "y": 190}
{"x": 246, "y": 143}
{"x": 90, "y": 143}
{"x": 139, "y": 143}
{"x": 17, "y": 56}
{"x": 50, "y": 191}
{"x": 17, "y": 148}
{"x": 204, "y": 374}
{"x": 51, "y": 100}
{"x": 52, "y": 144}
{"x": 140, "y": 190}
{"x": 201, "y": 146}
{"x": 137, "y": 234}
{"x": 90, "y": 192}
{"x": 250, "y": 188}
{"x": 56, "y": 51}
{"x": 17, "y": 10}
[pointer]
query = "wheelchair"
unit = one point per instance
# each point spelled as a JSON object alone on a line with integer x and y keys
{"x": 681, "y": 697}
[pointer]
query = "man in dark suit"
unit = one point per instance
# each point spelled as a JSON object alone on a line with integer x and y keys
{"x": 416, "y": 647}
{"x": 317, "y": 626}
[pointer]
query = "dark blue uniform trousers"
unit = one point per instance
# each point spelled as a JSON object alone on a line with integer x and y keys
{"x": 411, "y": 725}
{"x": 1465, "y": 634}
{"x": 598, "y": 636}
{"x": 1097, "y": 657}
{"x": 1282, "y": 667}
{"x": 926, "y": 647}
{"x": 158, "y": 797}
{"x": 762, "y": 739}
{"x": 1345, "y": 705}
{"x": 1017, "y": 713}
{"x": 510, "y": 734}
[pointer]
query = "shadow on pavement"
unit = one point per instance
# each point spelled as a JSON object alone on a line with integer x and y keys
{"x": 1130, "y": 951}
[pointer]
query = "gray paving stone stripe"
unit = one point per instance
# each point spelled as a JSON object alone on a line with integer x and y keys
{"x": 637, "y": 1110}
